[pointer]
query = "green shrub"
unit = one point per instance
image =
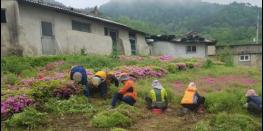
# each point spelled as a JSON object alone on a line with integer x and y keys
{"x": 42, "y": 90}
{"x": 124, "y": 115}
{"x": 110, "y": 119}
{"x": 30, "y": 117}
{"x": 118, "y": 129}
{"x": 76, "y": 104}
{"x": 189, "y": 65}
{"x": 29, "y": 73}
{"x": 226, "y": 56}
{"x": 234, "y": 122}
{"x": 11, "y": 79}
{"x": 16, "y": 64}
{"x": 208, "y": 63}
{"x": 202, "y": 126}
{"x": 224, "y": 101}
{"x": 171, "y": 68}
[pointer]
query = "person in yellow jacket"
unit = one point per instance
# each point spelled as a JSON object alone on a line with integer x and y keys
{"x": 101, "y": 81}
{"x": 192, "y": 100}
{"x": 157, "y": 97}
{"x": 98, "y": 81}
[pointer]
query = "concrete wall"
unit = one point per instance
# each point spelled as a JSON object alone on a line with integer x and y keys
{"x": 10, "y": 30}
{"x": 177, "y": 49}
{"x": 142, "y": 47}
{"x": 211, "y": 50}
{"x": 255, "y": 60}
{"x": 67, "y": 40}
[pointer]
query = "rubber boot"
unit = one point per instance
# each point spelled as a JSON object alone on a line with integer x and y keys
{"x": 201, "y": 109}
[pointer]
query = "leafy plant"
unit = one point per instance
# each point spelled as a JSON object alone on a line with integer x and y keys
{"x": 11, "y": 78}
{"x": 123, "y": 116}
{"x": 208, "y": 63}
{"x": 234, "y": 122}
{"x": 13, "y": 105}
{"x": 76, "y": 104}
{"x": 110, "y": 119}
{"x": 30, "y": 117}
{"x": 223, "y": 101}
{"x": 65, "y": 91}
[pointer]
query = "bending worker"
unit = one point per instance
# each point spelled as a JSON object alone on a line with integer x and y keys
{"x": 254, "y": 102}
{"x": 79, "y": 75}
{"x": 99, "y": 81}
{"x": 192, "y": 100}
{"x": 127, "y": 93}
{"x": 157, "y": 97}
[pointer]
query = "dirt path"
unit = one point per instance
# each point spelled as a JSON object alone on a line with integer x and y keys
{"x": 168, "y": 121}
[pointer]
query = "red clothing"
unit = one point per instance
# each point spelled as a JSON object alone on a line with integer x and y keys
{"x": 128, "y": 89}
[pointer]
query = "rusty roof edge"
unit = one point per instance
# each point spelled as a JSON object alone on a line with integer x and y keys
{"x": 78, "y": 13}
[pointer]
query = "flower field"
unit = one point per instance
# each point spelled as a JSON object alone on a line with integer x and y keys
{"x": 37, "y": 93}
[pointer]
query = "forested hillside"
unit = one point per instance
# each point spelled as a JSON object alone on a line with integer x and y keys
{"x": 229, "y": 24}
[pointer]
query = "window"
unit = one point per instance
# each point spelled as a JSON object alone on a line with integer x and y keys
{"x": 80, "y": 26}
{"x": 46, "y": 28}
{"x": 244, "y": 58}
{"x": 106, "y": 32}
{"x": 3, "y": 16}
{"x": 132, "y": 38}
{"x": 190, "y": 49}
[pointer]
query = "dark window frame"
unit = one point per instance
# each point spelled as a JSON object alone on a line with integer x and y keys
{"x": 47, "y": 29}
{"x": 3, "y": 15}
{"x": 133, "y": 42}
{"x": 81, "y": 26}
{"x": 191, "y": 49}
{"x": 244, "y": 58}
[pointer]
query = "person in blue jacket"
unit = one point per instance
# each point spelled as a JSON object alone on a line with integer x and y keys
{"x": 254, "y": 102}
{"x": 79, "y": 75}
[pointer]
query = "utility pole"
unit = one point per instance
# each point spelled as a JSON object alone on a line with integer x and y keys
{"x": 257, "y": 27}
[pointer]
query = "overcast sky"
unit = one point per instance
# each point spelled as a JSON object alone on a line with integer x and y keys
{"x": 92, "y": 3}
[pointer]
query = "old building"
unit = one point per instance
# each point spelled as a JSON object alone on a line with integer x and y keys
{"x": 246, "y": 54}
{"x": 34, "y": 28}
{"x": 189, "y": 46}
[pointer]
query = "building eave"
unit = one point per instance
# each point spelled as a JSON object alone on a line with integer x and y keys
{"x": 72, "y": 12}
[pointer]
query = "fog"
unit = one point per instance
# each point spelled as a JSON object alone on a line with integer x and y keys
{"x": 92, "y": 3}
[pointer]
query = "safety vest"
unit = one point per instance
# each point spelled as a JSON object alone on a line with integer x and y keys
{"x": 129, "y": 90}
{"x": 189, "y": 95}
{"x": 158, "y": 95}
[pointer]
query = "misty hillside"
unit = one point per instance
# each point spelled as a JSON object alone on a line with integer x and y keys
{"x": 230, "y": 24}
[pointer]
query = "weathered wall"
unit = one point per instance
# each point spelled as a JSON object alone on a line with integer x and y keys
{"x": 177, "y": 50}
{"x": 255, "y": 52}
{"x": 10, "y": 30}
{"x": 255, "y": 60}
{"x": 99, "y": 44}
{"x": 68, "y": 40}
{"x": 211, "y": 50}
{"x": 142, "y": 47}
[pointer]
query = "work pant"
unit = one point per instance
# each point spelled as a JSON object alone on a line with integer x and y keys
{"x": 119, "y": 97}
{"x": 103, "y": 89}
{"x": 200, "y": 101}
{"x": 150, "y": 104}
{"x": 86, "y": 90}
{"x": 254, "y": 108}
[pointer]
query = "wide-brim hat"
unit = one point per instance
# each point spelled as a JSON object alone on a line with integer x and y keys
{"x": 77, "y": 76}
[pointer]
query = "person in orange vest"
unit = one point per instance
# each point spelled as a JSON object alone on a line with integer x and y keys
{"x": 127, "y": 93}
{"x": 192, "y": 100}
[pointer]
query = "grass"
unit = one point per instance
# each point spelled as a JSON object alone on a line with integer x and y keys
{"x": 228, "y": 100}
{"x": 76, "y": 104}
{"x": 30, "y": 117}
{"x": 229, "y": 122}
